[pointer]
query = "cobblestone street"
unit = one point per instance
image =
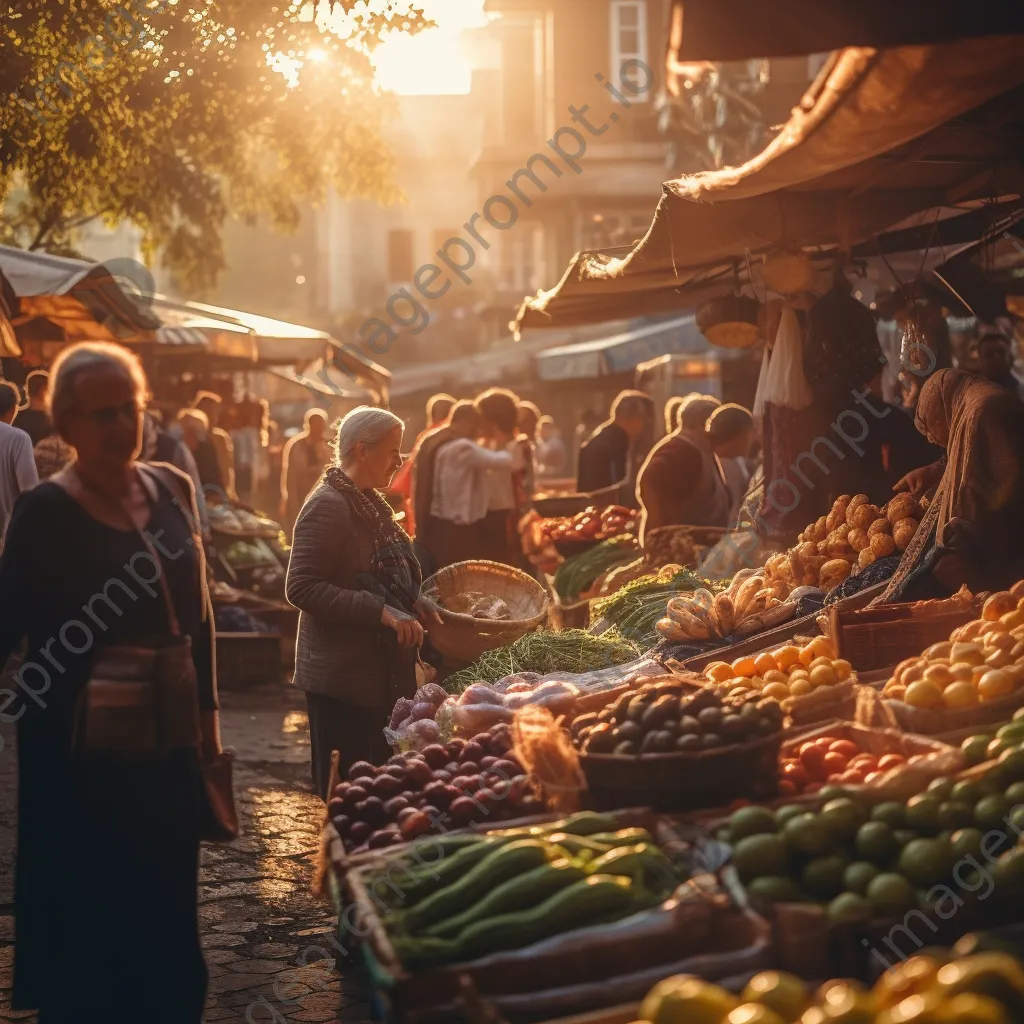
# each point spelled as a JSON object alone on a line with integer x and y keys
{"x": 262, "y": 930}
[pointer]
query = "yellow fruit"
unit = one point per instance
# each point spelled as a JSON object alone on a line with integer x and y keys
{"x": 1013, "y": 620}
{"x": 785, "y": 994}
{"x": 787, "y": 656}
{"x": 843, "y": 669}
{"x": 995, "y": 683}
{"x": 997, "y": 605}
{"x": 909, "y": 978}
{"x": 739, "y": 683}
{"x": 914, "y": 673}
{"x": 775, "y": 676}
{"x": 960, "y": 695}
{"x": 1017, "y": 632}
{"x": 744, "y": 667}
{"x": 966, "y": 653}
{"x": 970, "y": 1008}
{"x": 897, "y": 692}
{"x": 961, "y": 672}
{"x": 995, "y": 658}
{"x": 971, "y": 630}
{"x": 923, "y": 694}
{"x": 845, "y": 1001}
{"x": 800, "y": 688}
{"x": 1002, "y": 641}
{"x": 989, "y": 629}
{"x": 753, "y": 1013}
{"x": 819, "y": 647}
{"x": 684, "y": 997}
{"x": 938, "y": 674}
{"x": 823, "y": 675}
{"x": 719, "y": 671}
{"x": 940, "y": 650}
{"x": 764, "y": 662}
{"x": 780, "y": 691}
{"x": 799, "y": 673}
{"x": 737, "y": 692}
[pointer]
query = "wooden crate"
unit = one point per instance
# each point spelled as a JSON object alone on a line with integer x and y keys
{"x": 245, "y": 660}
{"x": 882, "y": 636}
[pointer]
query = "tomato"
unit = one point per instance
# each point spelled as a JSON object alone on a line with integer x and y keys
{"x": 835, "y": 762}
{"x": 824, "y": 742}
{"x": 873, "y": 777}
{"x": 864, "y": 760}
{"x": 846, "y": 747}
{"x": 796, "y": 774}
{"x": 813, "y": 760}
{"x": 834, "y": 779}
{"x": 891, "y": 761}
{"x": 786, "y": 788}
{"x": 852, "y": 775}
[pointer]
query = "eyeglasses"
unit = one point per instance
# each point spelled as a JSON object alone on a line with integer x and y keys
{"x": 108, "y": 415}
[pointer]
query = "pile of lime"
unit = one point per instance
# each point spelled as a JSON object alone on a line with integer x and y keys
{"x": 884, "y": 860}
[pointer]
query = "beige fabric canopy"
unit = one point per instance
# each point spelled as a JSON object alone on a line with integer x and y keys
{"x": 879, "y": 136}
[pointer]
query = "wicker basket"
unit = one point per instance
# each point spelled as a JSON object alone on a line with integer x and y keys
{"x": 464, "y": 637}
{"x": 685, "y": 781}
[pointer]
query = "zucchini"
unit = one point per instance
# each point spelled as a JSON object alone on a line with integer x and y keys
{"x": 506, "y": 862}
{"x": 646, "y": 864}
{"x": 583, "y": 823}
{"x": 417, "y": 884}
{"x": 583, "y": 903}
{"x": 524, "y": 890}
{"x": 624, "y": 837}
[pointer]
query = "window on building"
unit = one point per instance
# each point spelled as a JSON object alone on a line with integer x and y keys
{"x": 400, "y": 255}
{"x": 629, "y": 42}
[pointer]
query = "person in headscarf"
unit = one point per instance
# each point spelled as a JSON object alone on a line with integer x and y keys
{"x": 971, "y": 533}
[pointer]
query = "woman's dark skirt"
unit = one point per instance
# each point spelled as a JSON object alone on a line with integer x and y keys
{"x": 106, "y": 916}
{"x": 356, "y": 733}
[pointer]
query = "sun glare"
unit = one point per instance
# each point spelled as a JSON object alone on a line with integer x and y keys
{"x": 433, "y": 62}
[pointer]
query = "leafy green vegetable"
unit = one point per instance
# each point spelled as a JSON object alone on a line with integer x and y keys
{"x": 571, "y": 650}
{"x": 577, "y": 574}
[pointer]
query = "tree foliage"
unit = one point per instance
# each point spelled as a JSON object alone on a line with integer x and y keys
{"x": 175, "y": 114}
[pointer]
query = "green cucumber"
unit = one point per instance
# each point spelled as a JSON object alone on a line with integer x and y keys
{"x": 583, "y": 903}
{"x": 583, "y": 823}
{"x": 415, "y": 884}
{"x": 506, "y": 862}
{"x": 645, "y": 863}
{"x": 624, "y": 837}
{"x": 524, "y": 890}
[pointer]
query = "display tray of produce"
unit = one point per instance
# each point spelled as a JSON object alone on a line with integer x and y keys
{"x": 545, "y": 919}
{"x": 481, "y": 605}
{"x": 881, "y": 636}
{"x": 979, "y": 981}
{"x": 837, "y": 878}
{"x": 808, "y": 679}
{"x": 975, "y": 676}
{"x": 681, "y": 748}
{"x": 237, "y": 522}
{"x": 576, "y": 534}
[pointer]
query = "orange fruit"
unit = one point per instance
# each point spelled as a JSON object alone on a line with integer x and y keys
{"x": 1013, "y": 620}
{"x": 994, "y": 684}
{"x": 961, "y": 672}
{"x": 966, "y": 654}
{"x": 996, "y": 658}
{"x": 1002, "y": 641}
{"x": 914, "y": 673}
{"x": 775, "y": 675}
{"x": 998, "y": 604}
{"x": 719, "y": 671}
{"x": 819, "y": 647}
{"x": 898, "y": 692}
{"x": 939, "y": 650}
{"x": 787, "y": 656}
{"x": 938, "y": 674}
{"x": 823, "y": 675}
{"x": 764, "y": 662}
{"x": 959, "y": 695}
{"x": 800, "y": 688}
{"x": 842, "y": 668}
{"x": 744, "y": 667}
{"x": 923, "y": 694}
{"x": 780, "y": 691}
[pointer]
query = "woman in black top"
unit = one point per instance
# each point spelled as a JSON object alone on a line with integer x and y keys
{"x": 108, "y": 850}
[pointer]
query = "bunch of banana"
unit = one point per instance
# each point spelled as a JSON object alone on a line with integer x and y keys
{"x": 750, "y": 604}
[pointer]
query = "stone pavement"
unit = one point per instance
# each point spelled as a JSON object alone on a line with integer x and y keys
{"x": 263, "y": 932}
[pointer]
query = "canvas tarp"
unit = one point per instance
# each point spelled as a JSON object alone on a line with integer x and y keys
{"x": 880, "y": 136}
{"x": 727, "y": 30}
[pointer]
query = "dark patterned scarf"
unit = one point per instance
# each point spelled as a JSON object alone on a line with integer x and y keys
{"x": 395, "y": 573}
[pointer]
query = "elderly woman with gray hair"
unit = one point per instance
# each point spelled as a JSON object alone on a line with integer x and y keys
{"x": 355, "y": 580}
{"x": 103, "y": 574}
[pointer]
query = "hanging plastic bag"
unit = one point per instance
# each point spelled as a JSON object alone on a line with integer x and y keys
{"x": 784, "y": 382}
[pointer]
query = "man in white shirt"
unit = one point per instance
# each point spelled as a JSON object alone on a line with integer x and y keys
{"x": 462, "y": 488}
{"x": 17, "y": 463}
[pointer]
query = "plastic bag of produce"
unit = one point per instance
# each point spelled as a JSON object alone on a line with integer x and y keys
{"x": 413, "y": 734}
{"x": 470, "y": 719}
